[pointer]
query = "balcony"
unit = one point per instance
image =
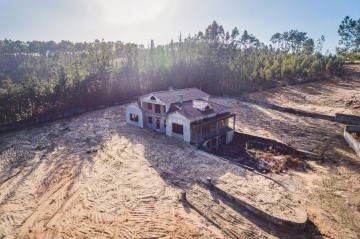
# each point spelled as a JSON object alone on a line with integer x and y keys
{"x": 209, "y": 135}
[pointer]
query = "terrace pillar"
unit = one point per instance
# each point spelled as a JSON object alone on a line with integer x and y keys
{"x": 234, "y": 122}
{"x": 183, "y": 196}
{"x": 197, "y": 137}
{"x": 209, "y": 183}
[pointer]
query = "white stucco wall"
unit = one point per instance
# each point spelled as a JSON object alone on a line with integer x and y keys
{"x": 178, "y": 119}
{"x": 147, "y": 98}
{"x": 153, "y": 125}
{"x": 134, "y": 109}
{"x": 230, "y": 136}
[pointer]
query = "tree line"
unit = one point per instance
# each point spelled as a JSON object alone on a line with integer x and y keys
{"x": 349, "y": 32}
{"x": 46, "y": 78}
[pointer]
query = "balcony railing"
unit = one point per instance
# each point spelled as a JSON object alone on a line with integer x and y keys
{"x": 209, "y": 135}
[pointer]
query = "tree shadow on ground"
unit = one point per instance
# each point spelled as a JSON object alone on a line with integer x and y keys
{"x": 64, "y": 149}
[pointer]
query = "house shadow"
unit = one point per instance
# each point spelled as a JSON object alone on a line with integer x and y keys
{"x": 276, "y": 230}
{"x": 65, "y": 148}
{"x": 304, "y": 133}
{"x": 181, "y": 167}
{"x": 30, "y": 155}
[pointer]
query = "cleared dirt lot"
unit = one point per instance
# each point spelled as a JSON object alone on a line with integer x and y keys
{"x": 331, "y": 191}
{"x": 335, "y": 95}
{"x": 93, "y": 176}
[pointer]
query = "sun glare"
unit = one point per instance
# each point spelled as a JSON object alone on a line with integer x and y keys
{"x": 126, "y": 12}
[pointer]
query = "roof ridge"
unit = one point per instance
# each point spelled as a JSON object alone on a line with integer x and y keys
{"x": 162, "y": 91}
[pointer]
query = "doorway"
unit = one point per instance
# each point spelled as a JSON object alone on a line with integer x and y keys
{"x": 157, "y": 123}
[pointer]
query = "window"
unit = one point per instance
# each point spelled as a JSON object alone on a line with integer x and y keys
{"x": 177, "y": 129}
{"x": 212, "y": 126}
{"x": 152, "y": 98}
{"x": 222, "y": 122}
{"x": 134, "y": 118}
{"x": 150, "y": 121}
{"x": 149, "y": 106}
{"x": 157, "y": 123}
{"x": 206, "y": 129}
{"x": 164, "y": 123}
{"x": 157, "y": 109}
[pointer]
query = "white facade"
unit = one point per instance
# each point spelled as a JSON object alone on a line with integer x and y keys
{"x": 153, "y": 119}
{"x": 178, "y": 119}
{"x": 230, "y": 136}
{"x": 133, "y": 111}
{"x": 152, "y": 112}
{"x": 153, "y": 100}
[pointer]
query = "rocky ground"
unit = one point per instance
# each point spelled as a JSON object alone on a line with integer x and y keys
{"x": 93, "y": 176}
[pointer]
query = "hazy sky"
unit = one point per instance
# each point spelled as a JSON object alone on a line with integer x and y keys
{"x": 139, "y": 21}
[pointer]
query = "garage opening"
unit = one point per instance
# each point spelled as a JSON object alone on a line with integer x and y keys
{"x": 177, "y": 129}
{"x": 134, "y": 117}
{"x": 157, "y": 123}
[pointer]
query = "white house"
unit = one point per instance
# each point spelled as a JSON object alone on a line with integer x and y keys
{"x": 186, "y": 114}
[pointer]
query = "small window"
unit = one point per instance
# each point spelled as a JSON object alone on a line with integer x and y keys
{"x": 152, "y": 98}
{"x": 134, "y": 118}
{"x": 177, "y": 129}
{"x": 149, "y": 106}
{"x": 164, "y": 123}
{"x": 150, "y": 121}
{"x": 157, "y": 109}
{"x": 222, "y": 122}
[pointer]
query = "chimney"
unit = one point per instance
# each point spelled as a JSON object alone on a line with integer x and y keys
{"x": 181, "y": 98}
{"x": 171, "y": 88}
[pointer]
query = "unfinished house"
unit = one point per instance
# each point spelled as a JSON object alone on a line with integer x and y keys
{"x": 187, "y": 114}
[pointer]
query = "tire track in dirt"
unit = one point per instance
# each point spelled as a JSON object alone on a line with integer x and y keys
{"x": 95, "y": 177}
{"x": 231, "y": 222}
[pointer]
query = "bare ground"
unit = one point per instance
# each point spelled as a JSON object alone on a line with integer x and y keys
{"x": 331, "y": 191}
{"x": 335, "y": 95}
{"x": 93, "y": 176}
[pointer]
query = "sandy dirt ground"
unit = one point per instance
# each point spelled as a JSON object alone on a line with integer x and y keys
{"x": 335, "y": 95}
{"x": 266, "y": 200}
{"x": 331, "y": 190}
{"x": 94, "y": 176}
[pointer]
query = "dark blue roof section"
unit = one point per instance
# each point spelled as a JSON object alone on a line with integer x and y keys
{"x": 173, "y": 96}
{"x": 188, "y": 110}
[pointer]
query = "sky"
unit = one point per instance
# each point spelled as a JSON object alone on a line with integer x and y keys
{"x": 139, "y": 21}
